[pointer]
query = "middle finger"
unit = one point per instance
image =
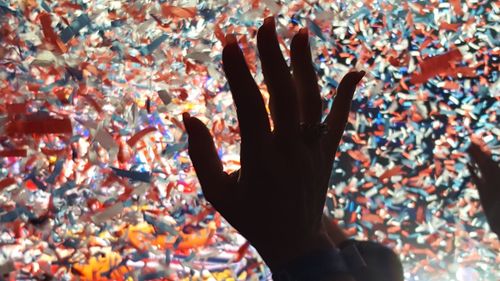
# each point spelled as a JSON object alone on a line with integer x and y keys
{"x": 283, "y": 97}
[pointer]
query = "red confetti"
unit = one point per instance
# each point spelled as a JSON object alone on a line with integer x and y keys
{"x": 391, "y": 172}
{"x": 436, "y": 65}
{"x": 13, "y": 153}
{"x": 457, "y": 7}
{"x": 50, "y": 34}
{"x": 6, "y": 182}
{"x": 242, "y": 251}
{"x": 48, "y": 125}
{"x": 134, "y": 139}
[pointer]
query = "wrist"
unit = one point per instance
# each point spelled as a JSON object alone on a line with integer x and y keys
{"x": 318, "y": 263}
{"x": 281, "y": 252}
{"x": 335, "y": 232}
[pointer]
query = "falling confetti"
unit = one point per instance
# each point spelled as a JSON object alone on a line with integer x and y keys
{"x": 95, "y": 179}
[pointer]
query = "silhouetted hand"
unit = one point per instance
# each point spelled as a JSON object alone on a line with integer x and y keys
{"x": 488, "y": 185}
{"x": 336, "y": 234}
{"x": 276, "y": 199}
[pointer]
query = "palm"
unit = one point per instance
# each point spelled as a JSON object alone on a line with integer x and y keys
{"x": 283, "y": 193}
{"x": 276, "y": 199}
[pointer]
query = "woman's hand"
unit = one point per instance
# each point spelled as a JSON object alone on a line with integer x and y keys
{"x": 277, "y": 197}
{"x": 336, "y": 234}
{"x": 488, "y": 185}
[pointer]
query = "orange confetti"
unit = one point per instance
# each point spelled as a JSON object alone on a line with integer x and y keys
{"x": 449, "y": 26}
{"x": 178, "y": 12}
{"x": 391, "y": 172}
{"x": 457, "y": 7}
{"x": 134, "y": 139}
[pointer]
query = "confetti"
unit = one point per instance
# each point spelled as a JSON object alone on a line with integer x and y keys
{"x": 134, "y": 139}
{"x": 133, "y": 175}
{"x": 95, "y": 179}
{"x": 105, "y": 139}
{"x": 74, "y": 28}
{"x": 6, "y": 182}
{"x": 13, "y": 153}
{"x": 180, "y": 12}
{"x": 34, "y": 124}
{"x": 436, "y": 65}
{"x": 49, "y": 33}
{"x": 108, "y": 213}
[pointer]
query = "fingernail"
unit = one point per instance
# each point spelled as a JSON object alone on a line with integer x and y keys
{"x": 185, "y": 118}
{"x": 269, "y": 21}
{"x": 305, "y": 33}
{"x": 360, "y": 75}
{"x": 473, "y": 148}
{"x": 230, "y": 39}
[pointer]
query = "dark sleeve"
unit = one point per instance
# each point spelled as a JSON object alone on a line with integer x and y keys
{"x": 324, "y": 265}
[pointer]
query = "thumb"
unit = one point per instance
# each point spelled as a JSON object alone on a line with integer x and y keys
{"x": 203, "y": 154}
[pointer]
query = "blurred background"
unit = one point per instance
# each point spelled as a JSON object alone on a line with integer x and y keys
{"x": 95, "y": 180}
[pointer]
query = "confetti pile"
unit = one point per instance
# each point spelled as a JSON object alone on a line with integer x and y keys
{"x": 95, "y": 179}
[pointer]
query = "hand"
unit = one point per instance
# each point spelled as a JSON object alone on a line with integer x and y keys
{"x": 336, "y": 234}
{"x": 488, "y": 185}
{"x": 276, "y": 199}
